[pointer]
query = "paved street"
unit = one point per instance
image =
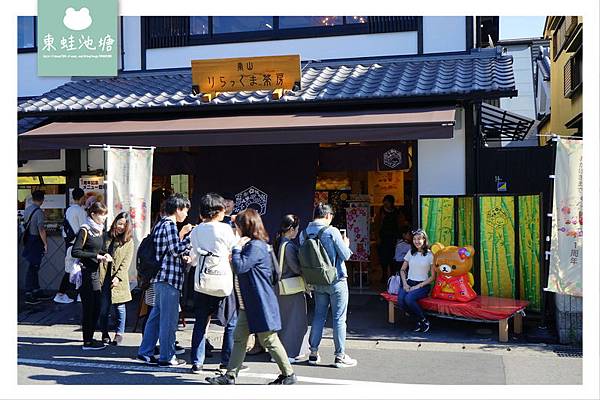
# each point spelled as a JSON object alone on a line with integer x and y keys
{"x": 50, "y": 352}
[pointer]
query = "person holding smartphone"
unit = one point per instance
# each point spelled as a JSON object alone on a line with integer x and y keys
{"x": 335, "y": 294}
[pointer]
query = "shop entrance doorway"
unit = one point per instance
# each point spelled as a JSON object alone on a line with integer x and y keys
{"x": 355, "y": 178}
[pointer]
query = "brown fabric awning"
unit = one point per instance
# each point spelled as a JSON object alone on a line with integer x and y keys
{"x": 331, "y": 127}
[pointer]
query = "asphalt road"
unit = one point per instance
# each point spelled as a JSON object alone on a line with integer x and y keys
{"x": 53, "y": 355}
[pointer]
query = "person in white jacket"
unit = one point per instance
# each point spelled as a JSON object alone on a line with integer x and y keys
{"x": 75, "y": 216}
{"x": 211, "y": 243}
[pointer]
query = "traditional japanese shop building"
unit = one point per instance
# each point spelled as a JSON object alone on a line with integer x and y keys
{"x": 384, "y": 106}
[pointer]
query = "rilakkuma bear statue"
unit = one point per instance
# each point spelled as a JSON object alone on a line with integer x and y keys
{"x": 453, "y": 280}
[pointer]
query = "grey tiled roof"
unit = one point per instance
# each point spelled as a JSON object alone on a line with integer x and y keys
{"x": 482, "y": 71}
{"x": 26, "y": 124}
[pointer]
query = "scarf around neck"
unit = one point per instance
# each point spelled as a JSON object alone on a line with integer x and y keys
{"x": 94, "y": 228}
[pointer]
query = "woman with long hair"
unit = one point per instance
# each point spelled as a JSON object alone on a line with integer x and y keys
{"x": 291, "y": 291}
{"x": 114, "y": 277}
{"x": 415, "y": 286}
{"x": 252, "y": 262}
{"x": 90, "y": 248}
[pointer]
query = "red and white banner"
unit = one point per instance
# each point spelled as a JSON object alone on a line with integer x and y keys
{"x": 357, "y": 224}
{"x": 129, "y": 189}
{"x": 565, "y": 274}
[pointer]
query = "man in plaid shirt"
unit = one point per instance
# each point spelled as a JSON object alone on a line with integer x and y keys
{"x": 168, "y": 283}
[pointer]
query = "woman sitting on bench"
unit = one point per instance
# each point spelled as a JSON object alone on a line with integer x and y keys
{"x": 419, "y": 262}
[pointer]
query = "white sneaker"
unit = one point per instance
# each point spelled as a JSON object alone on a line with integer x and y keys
{"x": 344, "y": 361}
{"x": 62, "y": 298}
{"x": 290, "y": 359}
{"x": 79, "y": 298}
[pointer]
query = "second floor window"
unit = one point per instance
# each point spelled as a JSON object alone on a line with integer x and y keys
{"x": 241, "y": 24}
{"x": 26, "y": 32}
{"x": 200, "y": 30}
{"x": 199, "y": 26}
{"x": 304, "y": 22}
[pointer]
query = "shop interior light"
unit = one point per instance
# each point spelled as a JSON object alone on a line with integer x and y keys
{"x": 28, "y": 180}
{"x": 54, "y": 180}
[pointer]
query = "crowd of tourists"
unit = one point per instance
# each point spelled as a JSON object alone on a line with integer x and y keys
{"x": 252, "y": 287}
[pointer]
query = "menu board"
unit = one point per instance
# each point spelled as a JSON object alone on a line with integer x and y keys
{"x": 357, "y": 223}
{"x": 92, "y": 186}
{"x": 382, "y": 183}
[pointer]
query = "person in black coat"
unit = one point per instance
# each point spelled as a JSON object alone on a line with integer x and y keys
{"x": 89, "y": 247}
{"x": 252, "y": 261}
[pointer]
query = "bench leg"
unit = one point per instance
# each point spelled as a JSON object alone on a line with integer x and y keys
{"x": 391, "y": 312}
{"x": 518, "y": 323}
{"x": 503, "y": 330}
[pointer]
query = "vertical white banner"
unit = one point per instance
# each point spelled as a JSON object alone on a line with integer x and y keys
{"x": 129, "y": 189}
{"x": 565, "y": 273}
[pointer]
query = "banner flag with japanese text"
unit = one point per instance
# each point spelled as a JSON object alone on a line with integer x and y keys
{"x": 129, "y": 189}
{"x": 357, "y": 225}
{"x": 566, "y": 251}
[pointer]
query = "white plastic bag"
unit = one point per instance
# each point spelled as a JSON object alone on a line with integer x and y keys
{"x": 70, "y": 261}
{"x": 75, "y": 274}
{"x": 393, "y": 284}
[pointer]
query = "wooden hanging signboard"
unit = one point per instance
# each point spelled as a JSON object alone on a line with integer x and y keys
{"x": 245, "y": 74}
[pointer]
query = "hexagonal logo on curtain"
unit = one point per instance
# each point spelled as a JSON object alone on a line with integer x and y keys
{"x": 392, "y": 158}
{"x": 251, "y": 197}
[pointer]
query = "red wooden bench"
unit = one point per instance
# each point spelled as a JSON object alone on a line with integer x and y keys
{"x": 481, "y": 309}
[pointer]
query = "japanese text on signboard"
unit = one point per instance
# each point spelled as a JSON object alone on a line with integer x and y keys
{"x": 246, "y": 74}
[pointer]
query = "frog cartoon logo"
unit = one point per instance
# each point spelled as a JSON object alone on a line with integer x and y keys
{"x": 77, "y": 20}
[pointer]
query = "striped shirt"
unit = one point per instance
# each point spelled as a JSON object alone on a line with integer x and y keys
{"x": 238, "y": 293}
{"x": 149, "y": 296}
{"x": 168, "y": 245}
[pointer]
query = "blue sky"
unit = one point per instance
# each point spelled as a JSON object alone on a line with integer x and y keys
{"x": 521, "y": 27}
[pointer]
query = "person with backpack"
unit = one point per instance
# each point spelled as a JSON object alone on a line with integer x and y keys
{"x": 291, "y": 291}
{"x": 252, "y": 260}
{"x": 167, "y": 278}
{"x": 148, "y": 296}
{"x": 35, "y": 245}
{"x": 114, "y": 277}
{"x": 322, "y": 247}
{"x": 75, "y": 216}
{"x": 90, "y": 248}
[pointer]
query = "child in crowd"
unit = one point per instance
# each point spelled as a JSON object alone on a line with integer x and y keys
{"x": 402, "y": 246}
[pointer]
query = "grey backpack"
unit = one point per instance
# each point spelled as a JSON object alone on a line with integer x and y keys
{"x": 317, "y": 268}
